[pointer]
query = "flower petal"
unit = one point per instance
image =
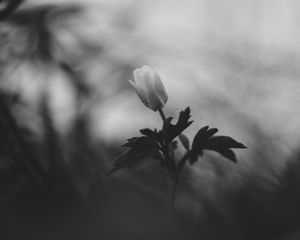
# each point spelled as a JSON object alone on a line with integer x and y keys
{"x": 146, "y": 68}
{"x": 149, "y": 87}
{"x": 140, "y": 92}
{"x": 160, "y": 89}
{"x": 138, "y": 76}
{"x": 154, "y": 102}
{"x": 148, "y": 81}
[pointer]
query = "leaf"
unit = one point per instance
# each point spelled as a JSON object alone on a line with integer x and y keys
{"x": 141, "y": 142}
{"x": 140, "y": 147}
{"x": 132, "y": 157}
{"x": 204, "y": 139}
{"x": 185, "y": 141}
{"x": 148, "y": 132}
{"x": 222, "y": 142}
{"x": 200, "y": 138}
{"x": 154, "y": 134}
{"x": 171, "y": 131}
{"x": 173, "y": 145}
{"x": 227, "y": 153}
{"x": 130, "y": 142}
{"x": 222, "y": 145}
{"x": 202, "y": 135}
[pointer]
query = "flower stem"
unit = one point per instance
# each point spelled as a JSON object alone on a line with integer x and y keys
{"x": 162, "y": 114}
{"x": 168, "y": 152}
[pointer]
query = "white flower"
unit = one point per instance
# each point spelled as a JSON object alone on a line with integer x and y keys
{"x": 149, "y": 88}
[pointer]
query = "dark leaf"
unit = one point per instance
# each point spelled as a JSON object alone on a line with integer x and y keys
{"x": 142, "y": 143}
{"x": 152, "y": 134}
{"x": 185, "y": 141}
{"x": 147, "y": 132}
{"x": 140, "y": 148}
{"x": 171, "y": 131}
{"x": 173, "y": 145}
{"x": 130, "y": 142}
{"x": 218, "y": 142}
{"x": 199, "y": 140}
{"x": 133, "y": 156}
{"x": 227, "y": 153}
{"x": 202, "y": 135}
{"x": 204, "y": 139}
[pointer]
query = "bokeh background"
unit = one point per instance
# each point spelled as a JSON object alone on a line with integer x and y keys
{"x": 66, "y": 107}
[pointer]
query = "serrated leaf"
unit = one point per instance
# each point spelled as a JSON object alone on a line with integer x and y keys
{"x": 132, "y": 157}
{"x": 202, "y": 135}
{"x": 227, "y": 153}
{"x": 156, "y": 135}
{"x": 130, "y": 142}
{"x": 185, "y": 141}
{"x": 199, "y": 140}
{"x": 148, "y": 132}
{"x": 140, "y": 147}
{"x": 171, "y": 131}
{"x": 218, "y": 142}
{"x": 204, "y": 139}
{"x": 141, "y": 142}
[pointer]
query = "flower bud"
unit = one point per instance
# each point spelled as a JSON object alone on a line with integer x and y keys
{"x": 149, "y": 88}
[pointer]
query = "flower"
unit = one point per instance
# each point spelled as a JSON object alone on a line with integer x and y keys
{"x": 149, "y": 88}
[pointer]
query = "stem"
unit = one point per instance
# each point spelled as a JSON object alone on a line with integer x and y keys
{"x": 170, "y": 159}
{"x": 162, "y": 114}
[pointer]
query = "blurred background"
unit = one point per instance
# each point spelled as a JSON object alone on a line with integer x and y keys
{"x": 66, "y": 107}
